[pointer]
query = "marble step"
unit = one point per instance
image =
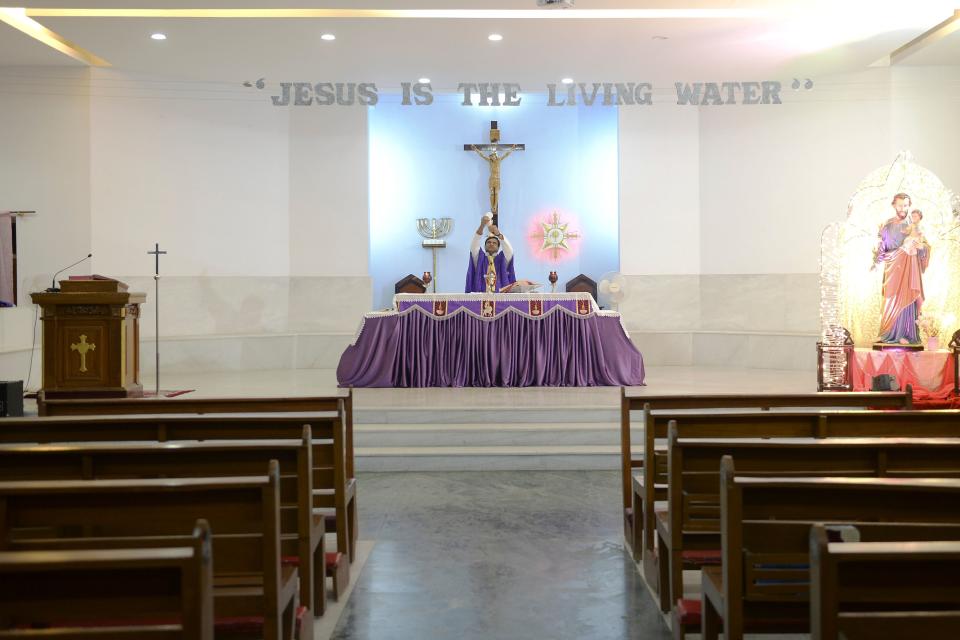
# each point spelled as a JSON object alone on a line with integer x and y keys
{"x": 459, "y": 415}
{"x": 504, "y": 435}
{"x": 487, "y": 458}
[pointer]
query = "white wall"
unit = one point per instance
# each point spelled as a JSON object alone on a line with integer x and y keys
{"x": 44, "y": 166}
{"x": 206, "y": 177}
{"x": 659, "y": 189}
{"x": 329, "y": 224}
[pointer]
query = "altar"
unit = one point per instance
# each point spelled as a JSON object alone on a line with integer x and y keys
{"x": 491, "y": 340}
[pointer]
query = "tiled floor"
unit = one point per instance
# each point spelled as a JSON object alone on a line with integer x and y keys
{"x": 496, "y": 555}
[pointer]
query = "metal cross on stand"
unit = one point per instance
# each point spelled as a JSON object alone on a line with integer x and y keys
{"x": 156, "y": 253}
{"x": 495, "y": 154}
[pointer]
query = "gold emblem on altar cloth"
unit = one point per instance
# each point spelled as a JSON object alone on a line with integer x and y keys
{"x": 440, "y": 308}
{"x": 536, "y": 307}
{"x": 488, "y": 309}
{"x": 583, "y": 307}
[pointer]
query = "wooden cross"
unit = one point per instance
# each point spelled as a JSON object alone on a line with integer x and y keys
{"x": 82, "y": 347}
{"x": 494, "y": 156}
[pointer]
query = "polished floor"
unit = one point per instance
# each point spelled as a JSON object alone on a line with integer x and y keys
{"x": 480, "y": 555}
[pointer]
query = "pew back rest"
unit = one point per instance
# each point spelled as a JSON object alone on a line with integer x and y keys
{"x": 864, "y": 588}
{"x": 187, "y": 459}
{"x": 242, "y": 511}
{"x": 756, "y": 567}
{"x": 635, "y": 399}
{"x": 148, "y": 592}
{"x": 694, "y": 463}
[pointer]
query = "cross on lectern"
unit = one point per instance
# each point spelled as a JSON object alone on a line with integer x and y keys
{"x": 82, "y": 347}
{"x": 494, "y": 157}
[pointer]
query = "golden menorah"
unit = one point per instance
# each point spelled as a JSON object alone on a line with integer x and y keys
{"x": 433, "y": 231}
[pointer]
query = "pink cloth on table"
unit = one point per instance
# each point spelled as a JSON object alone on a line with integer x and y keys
{"x": 930, "y": 372}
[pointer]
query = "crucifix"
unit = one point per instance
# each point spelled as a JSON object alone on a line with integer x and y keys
{"x": 494, "y": 156}
{"x": 156, "y": 253}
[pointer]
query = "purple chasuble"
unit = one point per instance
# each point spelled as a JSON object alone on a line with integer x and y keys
{"x": 477, "y": 270}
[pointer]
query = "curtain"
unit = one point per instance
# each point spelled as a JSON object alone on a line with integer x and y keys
{"x": 6, "y": 260}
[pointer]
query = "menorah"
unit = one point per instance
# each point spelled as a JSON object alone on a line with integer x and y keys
{"x": 433, "y": 231}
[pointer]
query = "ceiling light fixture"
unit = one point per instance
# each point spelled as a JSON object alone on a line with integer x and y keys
{"x": 424, "y": 80}
{"x": 494, "y": 37}
{"x": 158, "y": 36}
{"x": 567, "y": 81}
{"x": 328, "y": 37}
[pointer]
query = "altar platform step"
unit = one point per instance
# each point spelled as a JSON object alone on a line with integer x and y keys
{"x": 486, "y": 458}
{"x": 446, "y": 439}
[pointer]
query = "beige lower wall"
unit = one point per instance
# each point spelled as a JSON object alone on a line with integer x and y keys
{"x": 766, "y": 321}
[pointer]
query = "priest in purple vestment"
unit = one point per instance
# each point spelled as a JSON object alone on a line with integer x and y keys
{"x": 489, "y": 270}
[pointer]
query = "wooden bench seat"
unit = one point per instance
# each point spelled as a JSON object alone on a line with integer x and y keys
{"x": 153, "y": 593}
{"x": 888, "y": 589}
{"x": 764, "y": 581}
{"x": 244, "y": 515}
{"x": 334, "y": 488}
{"x": 301, "y": 530}
{"x": 783, "y": 424}
{"x": 639, "y": 524}
{"x": 692, "y": 520}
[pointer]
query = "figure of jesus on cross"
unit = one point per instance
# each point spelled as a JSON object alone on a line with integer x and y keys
{"x": 494, "y": 157}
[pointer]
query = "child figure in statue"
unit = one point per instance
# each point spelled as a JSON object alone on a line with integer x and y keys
{"x": 915, "y": 241}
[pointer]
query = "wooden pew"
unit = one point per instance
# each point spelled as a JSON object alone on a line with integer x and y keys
{"x": 792, "y": 424}
{"x": 334, "y": 491}
{"x": 890, "y": 589}
{"x": 341, "y": 400}
{"x": 154, "y": 593}
{"x": 763, "y": 583}
{"x": 692, "y": 520}
{"x": 652, "y": 476}
{"x": 301, "y": 531}
{"x": 244, "y": 515}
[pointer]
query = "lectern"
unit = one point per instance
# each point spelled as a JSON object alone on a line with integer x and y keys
{"x": 91, "y": 339}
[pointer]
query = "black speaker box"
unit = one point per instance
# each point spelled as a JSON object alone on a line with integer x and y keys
{"x": 11, "y": 399}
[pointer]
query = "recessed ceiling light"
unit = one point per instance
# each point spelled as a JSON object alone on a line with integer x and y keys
{"x": 659, "y": 38}
{"x": 328, "y": 37}
{"x": 159, "y": 36}
{"x": 424, "y": 80}
{"x": 567, "y": 81}
{"x": 494, "y": 37}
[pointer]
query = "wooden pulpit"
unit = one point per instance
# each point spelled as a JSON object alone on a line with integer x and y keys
{"x": 91, "y": 339}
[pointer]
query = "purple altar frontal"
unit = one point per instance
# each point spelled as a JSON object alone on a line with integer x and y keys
{"x": 491, "y": 340}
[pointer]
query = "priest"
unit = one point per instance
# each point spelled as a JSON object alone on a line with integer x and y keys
{"x": 490, "y": 270}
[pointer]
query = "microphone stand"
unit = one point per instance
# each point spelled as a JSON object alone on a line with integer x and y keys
{"x": 53, "y": 281}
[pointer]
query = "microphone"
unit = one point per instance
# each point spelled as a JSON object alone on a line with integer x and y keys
{"x": 53, "y": 282}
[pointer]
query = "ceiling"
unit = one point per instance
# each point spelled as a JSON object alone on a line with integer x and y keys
{"x": 740, "y": 40}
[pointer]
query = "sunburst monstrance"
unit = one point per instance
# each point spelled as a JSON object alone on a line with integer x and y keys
{"x": 554, "y": 235}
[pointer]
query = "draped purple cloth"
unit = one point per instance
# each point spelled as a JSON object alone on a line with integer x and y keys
{"x": 415, "y": 349}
